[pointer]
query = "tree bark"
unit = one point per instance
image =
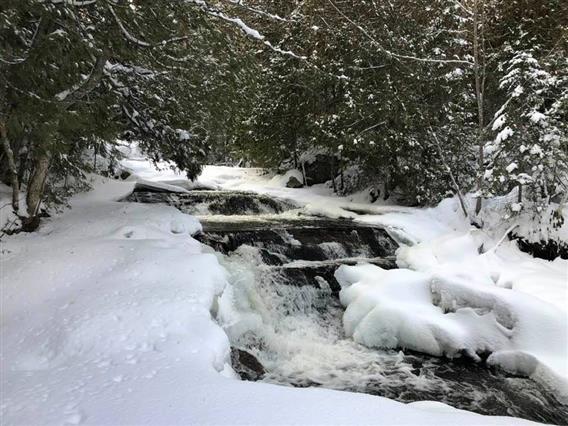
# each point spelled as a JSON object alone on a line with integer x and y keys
{"x": 479, "y": 98}
{"x": 91, "y": 84}
{"x": 334, "y": 173}
{"x": 36, "y": 184}
{"x": 11, "y": 166}
{"x": 24, "y": 158}
{"x": 96, "y": 152}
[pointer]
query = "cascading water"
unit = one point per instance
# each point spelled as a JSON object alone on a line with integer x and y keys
{"x": 282, "y": 313}
{"x": 296, "y": 333}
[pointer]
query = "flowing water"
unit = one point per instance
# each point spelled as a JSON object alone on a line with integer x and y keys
{"x": 282, "y": 310}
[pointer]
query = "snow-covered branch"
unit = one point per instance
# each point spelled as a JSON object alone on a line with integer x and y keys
{"x": 125, "y": 31}
{"x": 90, "y": 83}
{"x": 247, "y": 30}
{"x": 393, "y": 54}
{"x": 257, "y": 11}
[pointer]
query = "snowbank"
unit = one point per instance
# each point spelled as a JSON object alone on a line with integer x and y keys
{"x": 497, "y": 215}
{"x": 106, "y": 320}
{"x": 456, "y": 295}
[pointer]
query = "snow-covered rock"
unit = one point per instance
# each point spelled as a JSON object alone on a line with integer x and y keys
{"x": 456, "y": 297}
{"x": 293, "y": 182}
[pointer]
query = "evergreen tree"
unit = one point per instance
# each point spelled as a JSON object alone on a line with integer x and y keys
{"x": 75, "y": 73}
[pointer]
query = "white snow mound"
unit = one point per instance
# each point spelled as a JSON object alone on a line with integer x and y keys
{"x": 450, "y": 304}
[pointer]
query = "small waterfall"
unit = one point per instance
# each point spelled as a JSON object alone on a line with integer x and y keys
{"x": 296, "y": 334}
{"x": 284, "y": 320}
{"x": 205, "y": 202}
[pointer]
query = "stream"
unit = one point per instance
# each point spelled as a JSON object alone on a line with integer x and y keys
{"x": 284, "y": 320}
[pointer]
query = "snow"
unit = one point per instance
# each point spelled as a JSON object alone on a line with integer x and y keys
{"x": 499, "y": 122}
{"x": 511, "y": 167}
{"x": 460, "y": 292}
{"x": 281, "y": 180}
{"x": 6, "y": 213}
{"x": 536, "y": 117}
{"x": 516, "y": 207}
{"x": 504, "y": 134}
{"x": 183, "y": 135}
{"x": 447, "y": 260}
{"x": 106, "y": 312}
{"x": 536, "y": 150}
{"x": 106, "y": 320}
{"x": 160, "y": 176}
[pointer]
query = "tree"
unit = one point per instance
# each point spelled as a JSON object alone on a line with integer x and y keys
{"x": 146, "y": 70}
{"x": 529, "y": 149}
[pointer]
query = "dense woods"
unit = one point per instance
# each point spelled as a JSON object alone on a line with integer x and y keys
{"x": 423, "y": 98}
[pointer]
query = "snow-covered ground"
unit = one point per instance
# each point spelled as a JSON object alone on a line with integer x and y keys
{"x": 106, "y": 314}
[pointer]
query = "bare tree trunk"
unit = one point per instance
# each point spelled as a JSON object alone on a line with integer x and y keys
{"x": 479, "y": 89}
{"x": 24, "y": 158}
{"x": 11, "y": 166}
{"x": 295, "y": 152}
{"x": 96, "y": 152}
{"x": 334, "y": 173}
{"x": 36, "y": 184}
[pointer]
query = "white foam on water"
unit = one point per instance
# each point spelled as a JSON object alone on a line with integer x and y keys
{"x": 297, "y": 334}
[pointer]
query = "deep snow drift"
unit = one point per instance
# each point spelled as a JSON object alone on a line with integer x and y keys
{"x": 464, "y": 291}
{"x": 106, "y": 320}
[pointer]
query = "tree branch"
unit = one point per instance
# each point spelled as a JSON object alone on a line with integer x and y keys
{"x": 392, "y": 54}
{"x": 89, "y": 85}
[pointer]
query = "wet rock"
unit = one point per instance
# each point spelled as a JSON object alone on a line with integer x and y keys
{"x": 211, "y": 202}
{"x": 311, "y": 273}
{"x": 294, "y": 182}
{"x": 300, "y": 240}
{"x": 246, "y": 365}
{"x": 124, "y": 174}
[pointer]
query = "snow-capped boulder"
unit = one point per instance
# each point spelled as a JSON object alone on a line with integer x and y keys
{"x": 294, "y": 182}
